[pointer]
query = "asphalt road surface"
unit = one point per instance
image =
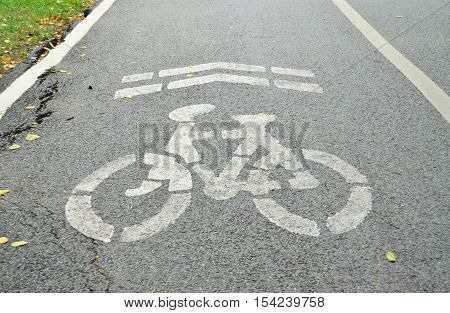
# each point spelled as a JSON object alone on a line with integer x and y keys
{"x": 375, "y": 149}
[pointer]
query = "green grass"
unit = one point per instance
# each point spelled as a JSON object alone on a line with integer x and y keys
{"x": 24, "y": 24}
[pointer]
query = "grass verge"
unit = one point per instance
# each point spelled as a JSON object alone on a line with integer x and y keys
{"x": 24, "y": 24}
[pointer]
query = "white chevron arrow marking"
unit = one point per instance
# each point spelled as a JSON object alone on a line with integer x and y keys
{"x": 212, "y": 66}
{"x": 218, "y": 78}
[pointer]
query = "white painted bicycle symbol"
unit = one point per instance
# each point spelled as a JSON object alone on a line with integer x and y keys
{"x": 253, "y": 134}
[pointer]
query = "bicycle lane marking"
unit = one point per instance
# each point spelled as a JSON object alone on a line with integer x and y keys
{"x": 301, "y": 86}
{"x": 437, "y": 97}
{"x": 80, "y": 214}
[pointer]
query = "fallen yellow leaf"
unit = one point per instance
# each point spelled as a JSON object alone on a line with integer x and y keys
{"x": 16, "y": 244}
{"x": 3, "y": 240}
{"x": 30, "y": 107}
{"x": 32, "y": 137}
{"x": 5, "y": 59}
{"x": 390, "y": 256}
{"x": 14, "y": 146}
{"x": 4, "y": 192}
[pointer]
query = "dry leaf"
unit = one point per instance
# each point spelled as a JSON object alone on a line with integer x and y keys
{"x": 391, "y": 257}
{"x": 32, "y": 137}
{"x": 189, "y": 75}
{"x": 3, "y": 240}
{"x": 14, "y": 146}
{"x": 5, "y": 59}
{"x": 399, "y": 16}
{"x": 30, "y": 107}
{"x": 4, "y": 192}
{"x": 127, "y": 97}
{"x": 16, "y": 244}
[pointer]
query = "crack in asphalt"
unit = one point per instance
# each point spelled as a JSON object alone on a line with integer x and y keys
{"x": 47, "y": 217}
{"x": 41, "y": 114}
{"x": 99, "y": 269}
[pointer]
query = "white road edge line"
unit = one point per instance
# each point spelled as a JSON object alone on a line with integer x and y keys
{"x": 212, "y": 66}
{"x": 438, "y": 98}
{"x": 27, "y": 79}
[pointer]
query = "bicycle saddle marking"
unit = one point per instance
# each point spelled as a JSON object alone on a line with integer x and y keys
{"x": 187, "y": 113}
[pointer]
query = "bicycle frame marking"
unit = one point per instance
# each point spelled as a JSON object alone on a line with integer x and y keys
{"x": 253, "y": 135}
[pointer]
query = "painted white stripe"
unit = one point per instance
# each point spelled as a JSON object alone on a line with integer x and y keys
{"x": 291, "y": 72}
{"x": 81, "y": 216}
{"x": 304, "y": 180}
{"x": 349, "y": 172}
{"x": 167, "y": 168}
{"x": 438, "y": 98}
{"x": 137, "y": 91}
{"x": 188, "y": 113}
{"x": 211, "y": 66}
{"x": 283, "y": 218}
{"x": 79, "y": 212}
{"x": 181, "y": 144}
{"x": 24, "y": 82}
{"x": 145, "y": 188}
{"x": 172, "y": 210}
{"x": 358, "y": 206}
{"x": 137, "y": 77}
{"x": 218, "y": 78}
{"x": 286, "y": 84}
{"x": 259, "y": 183}
{"x": 92, "y": 181}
